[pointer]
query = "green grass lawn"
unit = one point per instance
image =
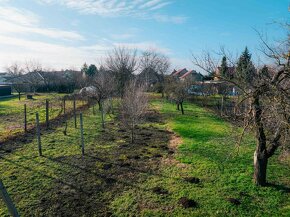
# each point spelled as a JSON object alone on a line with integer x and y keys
{"x": 29, "y": 177}
{"x": 117, "y": 178}
{"x": 208, "y": 152}
{"x": 12, "y": 117}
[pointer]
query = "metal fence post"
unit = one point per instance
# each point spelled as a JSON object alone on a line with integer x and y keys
{"x": 7, "y": 200}
{"x": 75, "y": 115}
{"x": 47, "y": 113}
{"x": 38, "y": 134}
{"x": 25, "y": 118}
{"x": 82, "y": 134}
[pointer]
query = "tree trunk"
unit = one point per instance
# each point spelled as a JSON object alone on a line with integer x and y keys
{"x": 177, "y": 106}
{"x": 100, "y": 105}
{"x": 260, "y": 168}
{"x": 102, "y": 116}
{"x": 181, "y": 106}
{"x": 132, "y": 133}
{"x": 19, "y": 96}
{"x": 260, "y": 155}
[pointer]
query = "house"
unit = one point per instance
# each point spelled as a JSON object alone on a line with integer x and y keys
{"x": 150, "y": 77}
{"x": 192, "y": 75}
{"x": 213, "y": 87}
{"x": 179, "y": 72}
{"x": 184, "y": 74}
{"x": 231, "y": 73}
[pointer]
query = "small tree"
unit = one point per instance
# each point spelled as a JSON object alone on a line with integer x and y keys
{"x": 15, "y": 71}
{"x": 177, "y": 91}
{"x": 224, "y": 69}
{"x": 104, "y": 85}
{"x": 134, "y": 106}
{"x": 92, "y": 71}
{"x": 153, "y": 67}
{"x": 122, "y": 62}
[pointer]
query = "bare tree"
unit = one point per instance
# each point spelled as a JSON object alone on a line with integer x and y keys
{"x": 178, "y": 92}
{"x": 153, "y": 67}
{"x": 270, "y": 96}
{"x": 15, "y": 71}
{"x": 269, "y": 110}
{"x": 34, "y": 78}
{"x": 122, "y": 62}
{"x": 206, "y": 61}
{"x": 104, "y": 88}
{"x": 134, "y": 106}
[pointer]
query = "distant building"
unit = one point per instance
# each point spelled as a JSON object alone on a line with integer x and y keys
{"x": 184, "y": 74}
{"x": 192, "y": 75}
{"x": 231, "y": 73}
{"x": 150, "y": 77}
{"x": 4, "y": 77}
{"x": 179, "y": 72}
{"x": 5, "y": 90}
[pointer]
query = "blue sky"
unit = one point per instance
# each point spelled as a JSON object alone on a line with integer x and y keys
{"x": 65, "y": 33}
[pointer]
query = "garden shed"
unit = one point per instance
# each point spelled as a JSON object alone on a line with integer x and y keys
{"x": 5, "y": 90}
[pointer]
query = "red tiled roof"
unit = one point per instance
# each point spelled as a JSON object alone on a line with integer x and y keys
{"x": 186, "y": 74}
{"x": 180, "y": 70}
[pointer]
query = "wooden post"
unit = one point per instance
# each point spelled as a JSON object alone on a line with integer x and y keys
{"x": 75, "y": 115}
{"x": 112, "y": 105}
{"x": 82, "y": 134}
{"x": 47, "y": 113}
{"x": 102, "y": 115}
{"x": 38, "y": 134}
{"x": 222, "y": 105}
{"x": 25, "y": 118}
{"x": 7, "y": 200}
{"x": 63, "y": 106}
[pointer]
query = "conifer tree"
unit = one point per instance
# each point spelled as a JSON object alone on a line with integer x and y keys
{"x": 92, "y": 70}
{"x": 245, "y": 70}
{"x": 224, "y": 69}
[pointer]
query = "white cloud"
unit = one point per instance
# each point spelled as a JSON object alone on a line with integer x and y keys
{"x": 19, "y": 16}
{"x": 51, "y": 55}
{"x": 152, "y": 3}
{"x": 8, "y": 27}
{"x": 57, "y": 56}
{"x": 20, "y": 21}
{"x": 18, "y": 28}
{"x": 114, "y": 8}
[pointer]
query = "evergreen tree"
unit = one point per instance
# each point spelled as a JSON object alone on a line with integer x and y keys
{"x": 92, "y": 70}
{"x": 224, "y": 69}
{"x": 264, "y": 72}
{"x": 245, "y": 71}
